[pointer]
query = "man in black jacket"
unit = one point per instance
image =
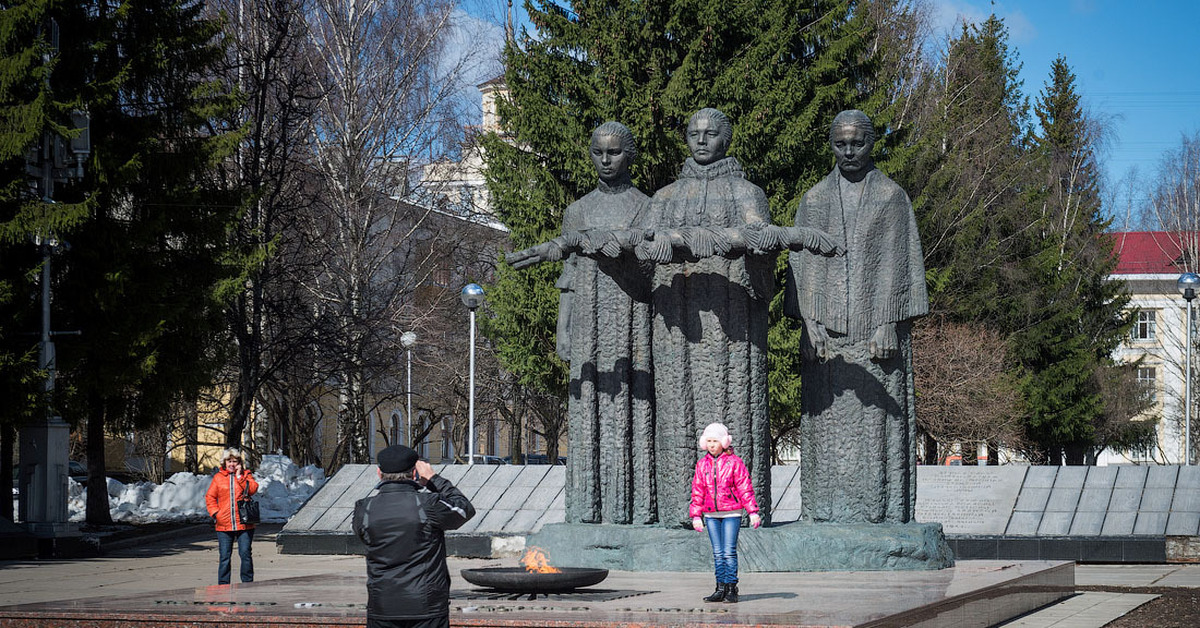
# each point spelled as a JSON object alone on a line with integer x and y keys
{"x": 403, "y": 529}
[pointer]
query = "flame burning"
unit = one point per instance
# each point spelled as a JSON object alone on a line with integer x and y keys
{"x": 535, "y": 562}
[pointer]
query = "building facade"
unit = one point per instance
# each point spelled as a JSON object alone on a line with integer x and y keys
{"x": 1150, "y": 263}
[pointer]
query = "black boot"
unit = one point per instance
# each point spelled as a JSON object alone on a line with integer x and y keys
{"x": 731, "y": 593}
{"x": 719, "y": 594}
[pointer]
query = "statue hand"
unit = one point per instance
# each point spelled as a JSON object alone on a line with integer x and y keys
{"x": 883, "y": 344}
{"x": 817, "y": 347}
{"x": 655, "y": 249}
{"x": 522, "y": 259}
{"x": 813, "y": 240}
{"x": 610, "y": 248}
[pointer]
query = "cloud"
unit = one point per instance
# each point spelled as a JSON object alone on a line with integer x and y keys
{"x": 471, "y": 56}
{"x": 1083, "y": 7}
{"x": 948, "y": 15}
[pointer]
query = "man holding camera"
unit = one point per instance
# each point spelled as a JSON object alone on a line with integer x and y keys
{"x": 403, "y": 528}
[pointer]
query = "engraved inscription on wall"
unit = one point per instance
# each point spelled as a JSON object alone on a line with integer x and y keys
{"x": 968, "y": 500}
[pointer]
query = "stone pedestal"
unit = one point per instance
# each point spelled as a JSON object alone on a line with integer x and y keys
{"x": 43, "y": 480}
{"x": 782, "y": 548}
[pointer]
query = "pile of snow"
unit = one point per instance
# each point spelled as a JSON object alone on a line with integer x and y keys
{"x": 282, "y": 488}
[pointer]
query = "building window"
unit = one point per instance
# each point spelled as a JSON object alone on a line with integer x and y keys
{"x": 1144, "y": 329}
{"x": 447, "y": 440}
{"x": 397, "y": 430}
{"x": 1148, "y": 376}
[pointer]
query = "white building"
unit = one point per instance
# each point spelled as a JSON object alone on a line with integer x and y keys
{"x": 459, "y": 187}
{"x": 1150, "y": 263}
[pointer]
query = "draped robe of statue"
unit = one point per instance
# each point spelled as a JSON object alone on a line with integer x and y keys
{"x": 857, "y": 456}
{"x": 710, "y": 334}
{"x": 604, "y": 333}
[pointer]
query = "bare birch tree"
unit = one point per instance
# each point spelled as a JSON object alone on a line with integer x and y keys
{"x": 389, "y": 105}
{"x": 267, "y": 61}
{"x": 1175, "y": 209}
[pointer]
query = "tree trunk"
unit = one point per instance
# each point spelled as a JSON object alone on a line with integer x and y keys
{"x": 516, "y": 442}
{"x": 97, "y": 494}
{"x": 993, "y": 454}
{"x": 191, "y": 437}
{"x": 7, "y": 438}
{"x": 1076, "y": 453}
{"x": 239, "y": 415}
{"x": 931, "y": 449}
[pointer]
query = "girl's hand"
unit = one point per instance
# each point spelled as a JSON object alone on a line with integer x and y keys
{"x": 698, "y": 524}
{"x": 755, "y": 520}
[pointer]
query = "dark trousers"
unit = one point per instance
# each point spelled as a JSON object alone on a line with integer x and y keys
{"x": 428, "y": 622}
{"x": 225, "y": 546}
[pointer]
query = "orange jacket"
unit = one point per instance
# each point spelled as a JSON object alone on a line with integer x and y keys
{"x": 224, "y": 509}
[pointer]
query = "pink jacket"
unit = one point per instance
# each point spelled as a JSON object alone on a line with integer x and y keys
{"x": 732, "y": 481}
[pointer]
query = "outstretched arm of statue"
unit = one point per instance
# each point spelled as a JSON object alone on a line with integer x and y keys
{"x": 614, "y": 243}
{"x": 665, "y": 246}
{"x": 817, "y": 347}
{"x": 811, "y": 240}
{"x": 552, "y": 251}
{"x": 883, "y": 344}
{"x": 544, "y": 252}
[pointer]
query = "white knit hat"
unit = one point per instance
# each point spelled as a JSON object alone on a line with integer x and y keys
{"x": 717, "y": 431}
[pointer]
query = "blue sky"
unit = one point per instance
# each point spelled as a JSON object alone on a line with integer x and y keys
{"x": 1135, "y": 65}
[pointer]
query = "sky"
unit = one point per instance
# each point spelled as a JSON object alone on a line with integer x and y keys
{"x": 1134, "y": 63}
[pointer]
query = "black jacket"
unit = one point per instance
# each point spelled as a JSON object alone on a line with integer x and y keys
{"x": 403, "y": 529}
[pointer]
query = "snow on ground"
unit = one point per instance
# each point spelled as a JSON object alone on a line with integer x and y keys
{"x": 282, "y": 489}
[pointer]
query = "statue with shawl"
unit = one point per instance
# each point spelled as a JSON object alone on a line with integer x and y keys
{"x": 857, "y": 456}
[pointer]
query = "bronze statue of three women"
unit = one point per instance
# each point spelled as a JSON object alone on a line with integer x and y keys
{"x": 663, "y": 320}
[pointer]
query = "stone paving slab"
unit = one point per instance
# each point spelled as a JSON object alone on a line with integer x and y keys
{"x": 1092, "y": 609}
{"x": 988, "y": 591}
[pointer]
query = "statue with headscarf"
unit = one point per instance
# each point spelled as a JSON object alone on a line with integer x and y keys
{"x": 710, "y": 315}
{"x": 604, "y": 336}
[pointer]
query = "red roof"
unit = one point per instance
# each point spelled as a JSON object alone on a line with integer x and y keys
{"x": 1148, "y": 252}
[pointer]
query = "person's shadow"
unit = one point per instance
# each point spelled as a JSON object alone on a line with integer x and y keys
{"x": 779, "y": 595}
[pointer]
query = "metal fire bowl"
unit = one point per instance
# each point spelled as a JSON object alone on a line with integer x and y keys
{"x": 518, "y": 580}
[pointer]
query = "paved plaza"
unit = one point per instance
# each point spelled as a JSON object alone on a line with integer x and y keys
{"x": 186, "y": 560}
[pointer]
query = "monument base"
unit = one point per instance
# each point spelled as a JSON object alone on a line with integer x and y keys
{"x": 780, "y": 548}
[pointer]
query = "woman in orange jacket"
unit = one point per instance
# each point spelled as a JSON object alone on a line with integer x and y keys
{"x": 231, "y": 483}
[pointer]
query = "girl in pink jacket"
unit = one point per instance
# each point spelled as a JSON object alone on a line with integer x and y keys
{"x": 721, "y": 494}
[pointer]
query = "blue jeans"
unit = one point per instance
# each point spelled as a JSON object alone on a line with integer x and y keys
{"x": 225, "y": 546}
{"x": 723, "y": 533}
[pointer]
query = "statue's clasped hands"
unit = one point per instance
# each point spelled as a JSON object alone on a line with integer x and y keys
{"x": 883, "y": 344}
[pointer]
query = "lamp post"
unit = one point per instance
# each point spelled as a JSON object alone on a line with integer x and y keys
{"x": 472, "y": 297}
{"x": 407, "y": 340}
{"x": 1187, "y": 284}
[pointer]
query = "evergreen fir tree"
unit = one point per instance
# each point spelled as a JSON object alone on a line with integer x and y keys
{"x": 145, "y": 273}
{"x": 1073, "y": 317}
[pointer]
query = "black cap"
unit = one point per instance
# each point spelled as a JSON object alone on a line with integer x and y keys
{"x": 397, "y": 459}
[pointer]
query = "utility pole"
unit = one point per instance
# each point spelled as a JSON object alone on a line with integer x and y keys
{"x": 42, "y": 505}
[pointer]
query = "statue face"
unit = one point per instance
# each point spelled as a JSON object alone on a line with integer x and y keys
{"x": 852, "y": 150}
{"x": 609, "y": 157}
{"x": 705, "y": 141}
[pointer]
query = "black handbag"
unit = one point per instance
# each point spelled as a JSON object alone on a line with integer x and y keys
{"x": 248, "y": 511}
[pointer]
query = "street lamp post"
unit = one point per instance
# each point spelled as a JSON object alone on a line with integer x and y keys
{"x": 407, "y": 340}
{"x": 1187, "y": 285}
{"x": 472, "y": 297}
